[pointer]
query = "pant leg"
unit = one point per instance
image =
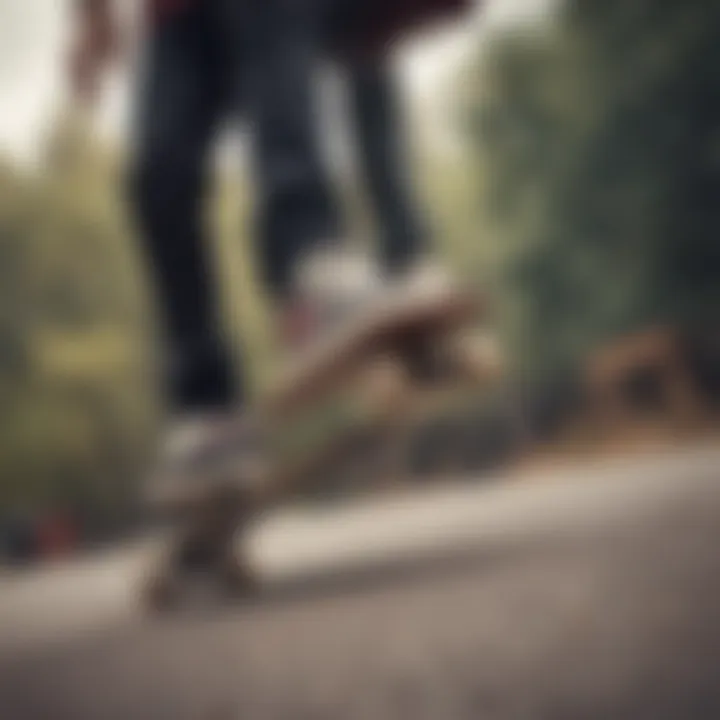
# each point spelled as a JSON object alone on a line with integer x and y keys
{"x": 295, "y": 206}
{"x": 384, "y": 160}
{"x": 182, "y": 98}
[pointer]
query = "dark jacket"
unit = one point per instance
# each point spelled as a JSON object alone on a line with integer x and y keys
{"x": 357, "y": 26}
{"x": 373, "y": 25}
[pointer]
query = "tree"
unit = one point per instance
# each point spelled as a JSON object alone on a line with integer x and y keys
{"x": 596, "y": 141}
{"x": 77, "y": 410}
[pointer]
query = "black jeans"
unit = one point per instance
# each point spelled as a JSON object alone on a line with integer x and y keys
{"x": 205, "y": 67}
{"x": 386, "y": 169}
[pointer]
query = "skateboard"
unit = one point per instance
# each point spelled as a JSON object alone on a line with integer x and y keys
{"x": 385, "y": 366}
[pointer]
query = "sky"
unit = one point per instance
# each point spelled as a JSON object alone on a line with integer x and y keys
{"x": 33, "y": 35}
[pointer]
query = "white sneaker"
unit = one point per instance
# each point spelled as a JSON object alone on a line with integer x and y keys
{"x": 425, "y": 282}
{"x": 206, "y": 450}
{"x": 342, "y": 281}
{"x": 341, "y": 290}
{"x": 335, "y": 282}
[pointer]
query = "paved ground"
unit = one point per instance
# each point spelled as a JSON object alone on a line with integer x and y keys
{"x": 591, "y": 593}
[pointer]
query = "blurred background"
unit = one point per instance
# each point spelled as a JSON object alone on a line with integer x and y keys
{"x": 569, "y": 154}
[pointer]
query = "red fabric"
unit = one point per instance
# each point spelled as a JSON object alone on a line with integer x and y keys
{"x": 56, "y": 536}
{"x": 158, "y": 10}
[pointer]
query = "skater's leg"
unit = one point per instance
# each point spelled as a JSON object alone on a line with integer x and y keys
{"x": 183, "y": 95}
{"x": 296, "y": 210}
{"x": 383, "y": 156}
{"x": 191, "y": 84}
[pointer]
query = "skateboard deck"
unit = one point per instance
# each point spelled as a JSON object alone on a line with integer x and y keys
{"x": 386, "y": 360}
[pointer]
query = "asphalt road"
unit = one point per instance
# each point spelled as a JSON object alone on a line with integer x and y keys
{"x": 587, "y": 593}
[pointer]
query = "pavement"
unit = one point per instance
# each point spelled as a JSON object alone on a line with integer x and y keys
{"x": 587, "y": 592}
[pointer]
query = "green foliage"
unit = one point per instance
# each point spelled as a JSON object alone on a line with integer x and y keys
{"x": 597, "y": 143}
{"x": 76, "y": 408}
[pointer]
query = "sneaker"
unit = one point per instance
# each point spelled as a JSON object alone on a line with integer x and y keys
{"x": 339, "y": 291}
{"x": 331, "y": 286}
{"x": 206, "y": 451}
